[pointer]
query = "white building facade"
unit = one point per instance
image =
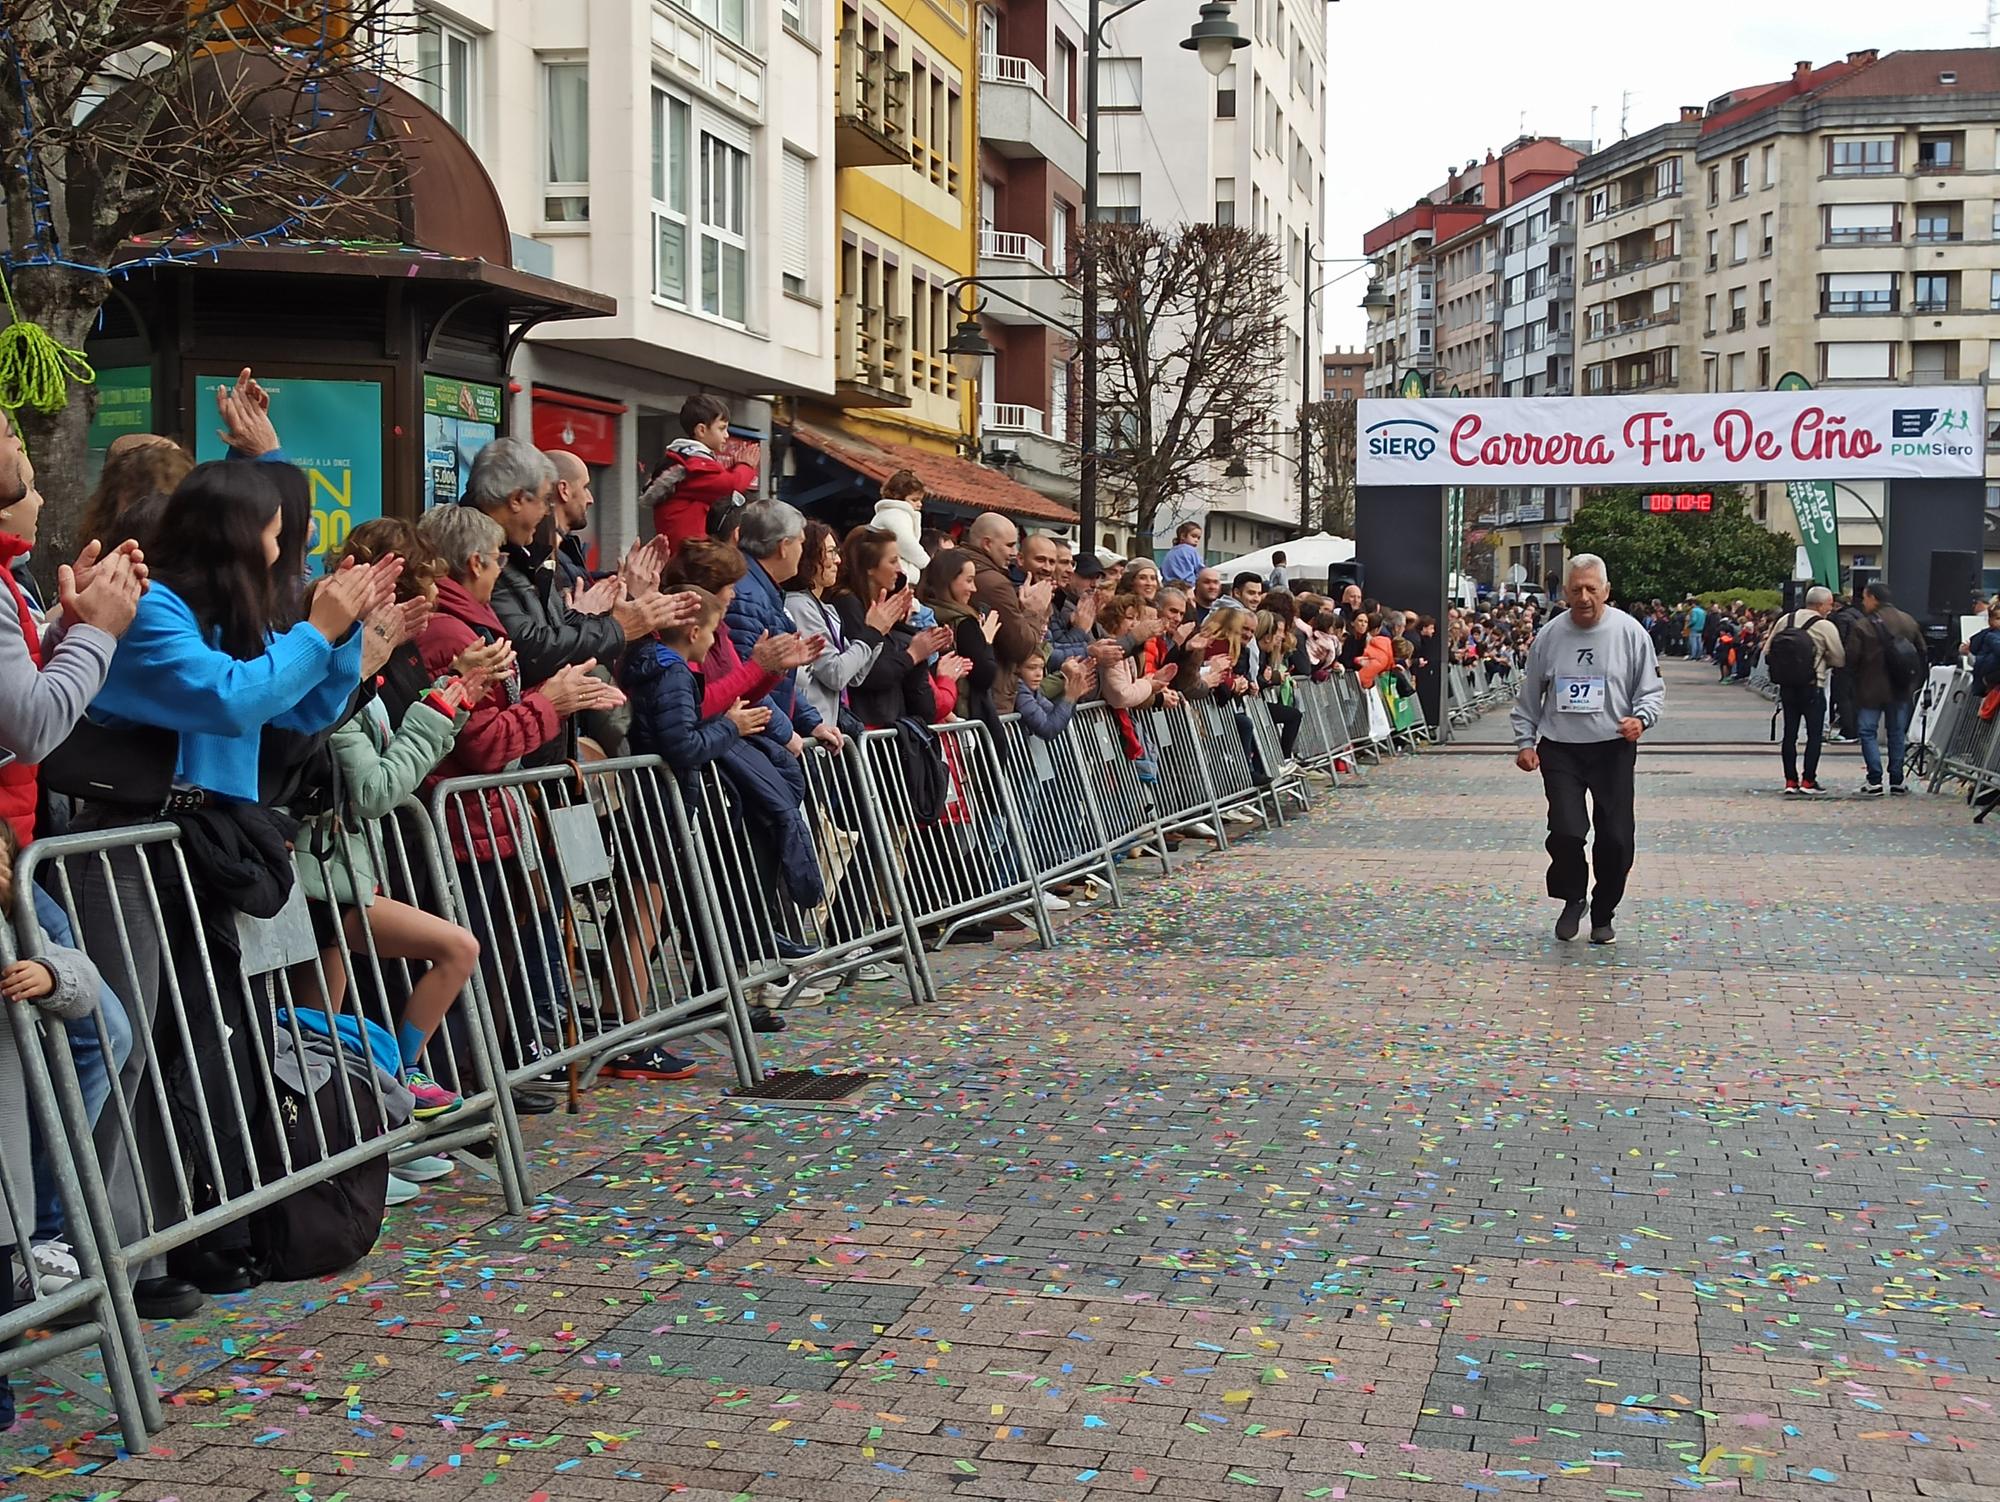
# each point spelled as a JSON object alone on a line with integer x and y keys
{"x": 677, "y": 157}
{"x": 1176, "y": 146}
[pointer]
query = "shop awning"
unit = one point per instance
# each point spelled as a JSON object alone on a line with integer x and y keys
{"x": 949, "y": 480}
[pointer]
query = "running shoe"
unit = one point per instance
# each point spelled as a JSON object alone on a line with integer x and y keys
{"x": 650, "y": 1064}
{"x": 433, "y": 1099}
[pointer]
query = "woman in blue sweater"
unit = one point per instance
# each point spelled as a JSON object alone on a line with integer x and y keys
{"x": 211, "y": 659}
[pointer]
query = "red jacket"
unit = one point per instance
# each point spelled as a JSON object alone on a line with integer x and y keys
{"x": 684, "y": 513}
{"x": 19, "y": 781}
{"x": 1376, "y": 659}
{"x": 502, "y": 727}
{"x": 726, "y": 678}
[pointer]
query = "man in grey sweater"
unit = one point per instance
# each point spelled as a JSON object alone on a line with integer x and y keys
{"x": 1591, "y": 688}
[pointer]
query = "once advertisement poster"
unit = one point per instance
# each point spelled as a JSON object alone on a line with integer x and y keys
{"x": 460, "y": 419}
{"x": 330, "y": 429}
{"x": 1869, "y": 433}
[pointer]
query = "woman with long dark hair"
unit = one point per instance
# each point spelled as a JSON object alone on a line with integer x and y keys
{"x": 211, "y": 660}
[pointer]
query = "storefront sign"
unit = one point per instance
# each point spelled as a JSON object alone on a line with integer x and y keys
{"x": 1866, "y": 433}
{"x": 330, "y": 429}
{"x": 460, "y": 419}
{"x": 124, "y": 405}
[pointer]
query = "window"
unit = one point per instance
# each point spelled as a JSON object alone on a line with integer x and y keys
{"x": 1225, "y": 200}
{"x": 1861, "y": 156}
{"x": 1714, "y": 248}
{"x": 1862, "y": 223}
{"x": 1513, "y": 291}
{"x": 1770, "y": 172}
{"x": 1538, "y": 226}
{"x": 1939, "y": 223}
{"x": 1939, "y": 153}
{"x": 1936, "y": 292}
{"x": 1059, "y": 218}
{"x": 1767, "y": 232}
{"x": 1739, "y": 242}
{"x": 795, "y": 241}
{"x": 1739, "y": 311}
{"x": 1667, "y": 177}
{"x": 1857, "y": 362}
{"x": 1858, "y": 292}
{"x": 935, "y": 124}
{"x": 725, "y": 253}
{"x": 1763, "y": 303}
{"x": 1739, "y": 180}
{"x": 730, "y": 17}
{"x": 1764, "y": 368}
{"x": 1708, "y": 315}
{"x": 566, "y": 191}
{"x": 1120, "y": 83}
{"x": 1993, "y": 294}
{"x": 1225, "y": 104}
{"x": 1598, "y": 204}
{"x": 670, "y": 197}
{"x": 1714, "y": 186}
{"x": 443, "y": 76}
{"x": 1934, "y": 360}
{"x": 1064, "y": 83}
{"x": 1118, "y": 197}
{"x": 1736, "y": 363}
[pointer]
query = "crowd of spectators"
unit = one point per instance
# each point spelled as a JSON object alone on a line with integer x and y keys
{"x": 203, "y": 660}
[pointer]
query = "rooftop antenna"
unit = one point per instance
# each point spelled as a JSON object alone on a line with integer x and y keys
{"x": 1593, "y": 120}
{"x": 1624, "y": 114}
{"x": 1992, "y": 15}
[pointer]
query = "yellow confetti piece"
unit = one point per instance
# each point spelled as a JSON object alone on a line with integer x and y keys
{"x": 1241, "y": 1395}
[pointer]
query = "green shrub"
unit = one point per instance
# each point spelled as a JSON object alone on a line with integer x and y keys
{"x": 1753, "y": 599}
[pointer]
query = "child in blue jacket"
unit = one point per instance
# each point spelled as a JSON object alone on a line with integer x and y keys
{"x": 665, "y": 690}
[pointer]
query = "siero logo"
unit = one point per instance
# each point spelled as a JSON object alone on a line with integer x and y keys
{"x": 1930, "y": 431}
{"x": 1392, "y": 445}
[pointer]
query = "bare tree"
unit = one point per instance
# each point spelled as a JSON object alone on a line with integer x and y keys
{"x": 1192, "y": 339}
{"x": 1330, "y": 430}
{"x": 140, "y": 131}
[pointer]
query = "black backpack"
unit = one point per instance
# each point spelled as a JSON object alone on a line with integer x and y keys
{"x": 1792, "y": 655}
{"x": 327, "y": 1227}
{"x": 1902, "y": 661}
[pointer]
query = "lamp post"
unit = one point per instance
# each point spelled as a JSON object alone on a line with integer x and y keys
{"x": 1376, "y": 296}
{"x": 1215, "y": 39}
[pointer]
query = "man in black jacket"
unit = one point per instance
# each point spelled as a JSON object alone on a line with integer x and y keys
{"x": 513, "y": 483}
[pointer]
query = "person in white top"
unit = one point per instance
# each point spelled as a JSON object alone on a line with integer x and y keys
{"x": 1802, "y": 645}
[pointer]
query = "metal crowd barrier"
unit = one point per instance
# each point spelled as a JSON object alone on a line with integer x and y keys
{"x": 1282, "y": 785}
{"x": 1181, "y": 798}
{"x": 962, "y": 850}
{"x": 1963, "y": 740}
{"x": 1221, "y": 747}
{"x": 1061, "y": 811}
{"x": 41, "y": 1331}
{"x": 596, "y": 901}
{"x": 865, "y": 912}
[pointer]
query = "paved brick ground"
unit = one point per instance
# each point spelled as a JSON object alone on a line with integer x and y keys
{"x": 1320, "y": 1172}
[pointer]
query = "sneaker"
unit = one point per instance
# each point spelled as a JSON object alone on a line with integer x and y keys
{"x": 791, "y": 991}
{"x": 57, "y": 1267}
{"x": 1203, "y": 831}
{"x": 425, "y": 1170}
{"x": 1899, "y": 790}
{"x": 401, "y": 1191}
{"x": 1869, "y": 790}
{"x": 1600, "y": 933}
{"x": 1289, "y": 768}
{"x": 650, "y": 1064}
{"x": 791, "y": 951}
{"x": 764, "y": 1020}
{"x": 432, "y": 1098}
{"x": 1811, "y": 789}
{"x": 1791, "y": 788}
{"x": 1054, "y": 904}
{"x": 1571, "y": 920}
{"x": 874, "y": 973}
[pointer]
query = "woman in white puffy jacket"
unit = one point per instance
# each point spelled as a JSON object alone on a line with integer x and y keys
{"x": 901, "y": 511}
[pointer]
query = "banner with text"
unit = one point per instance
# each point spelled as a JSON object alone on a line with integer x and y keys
{"x": 1869, "y": 433}
{"x": 1819, "y": 527}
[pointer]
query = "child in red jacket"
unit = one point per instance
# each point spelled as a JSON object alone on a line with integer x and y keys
{"x": 710, "y": 471}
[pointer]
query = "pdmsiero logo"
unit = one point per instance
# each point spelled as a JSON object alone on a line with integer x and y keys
{"x": 1934, "y": 431}
{"x": 1386, "y": 444}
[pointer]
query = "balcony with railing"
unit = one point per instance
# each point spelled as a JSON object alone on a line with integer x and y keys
{"x": 871, "y": 104}
{"x": 1013, "y": 417}
{"x": 1871, "y": 304}
{"x": 1012, "y": 260}
{"x": 871, "y": 364}
{"x": 1020, "y": 117}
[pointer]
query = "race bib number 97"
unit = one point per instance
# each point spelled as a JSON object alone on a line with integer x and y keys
{"x": 1580, "y": 695}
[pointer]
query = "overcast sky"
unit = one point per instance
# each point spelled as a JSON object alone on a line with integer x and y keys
{"x": 1414, "y": 86}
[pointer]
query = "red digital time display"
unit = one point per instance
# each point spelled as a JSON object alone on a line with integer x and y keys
{"x": 1669, "y": 501}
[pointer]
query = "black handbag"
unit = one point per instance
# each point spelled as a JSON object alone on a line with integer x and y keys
{"x": 129, "y": 765}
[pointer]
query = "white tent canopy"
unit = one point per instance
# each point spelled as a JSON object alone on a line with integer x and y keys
{"x": 1305, "y": 557}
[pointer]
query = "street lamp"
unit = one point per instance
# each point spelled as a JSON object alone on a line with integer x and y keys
{"x": 968, "y": 348}
{"x": 1215, "y": 38}
{"x": 1377, "y": 299}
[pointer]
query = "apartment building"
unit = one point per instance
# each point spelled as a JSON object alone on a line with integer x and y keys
{"x": 1178, "y": 146}
{"x": 1031, "y": 168}
{"x": 1849, "y": 218}
{"x": 1343, "y": 373}
{"x": 1466, "y": 340}
{"x": 648, "y": 151}
{"x": 1407, "y": 250}
{"x": 1635, "y": 231}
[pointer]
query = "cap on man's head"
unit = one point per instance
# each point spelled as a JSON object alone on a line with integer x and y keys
{"x": 1089, "y": 565}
